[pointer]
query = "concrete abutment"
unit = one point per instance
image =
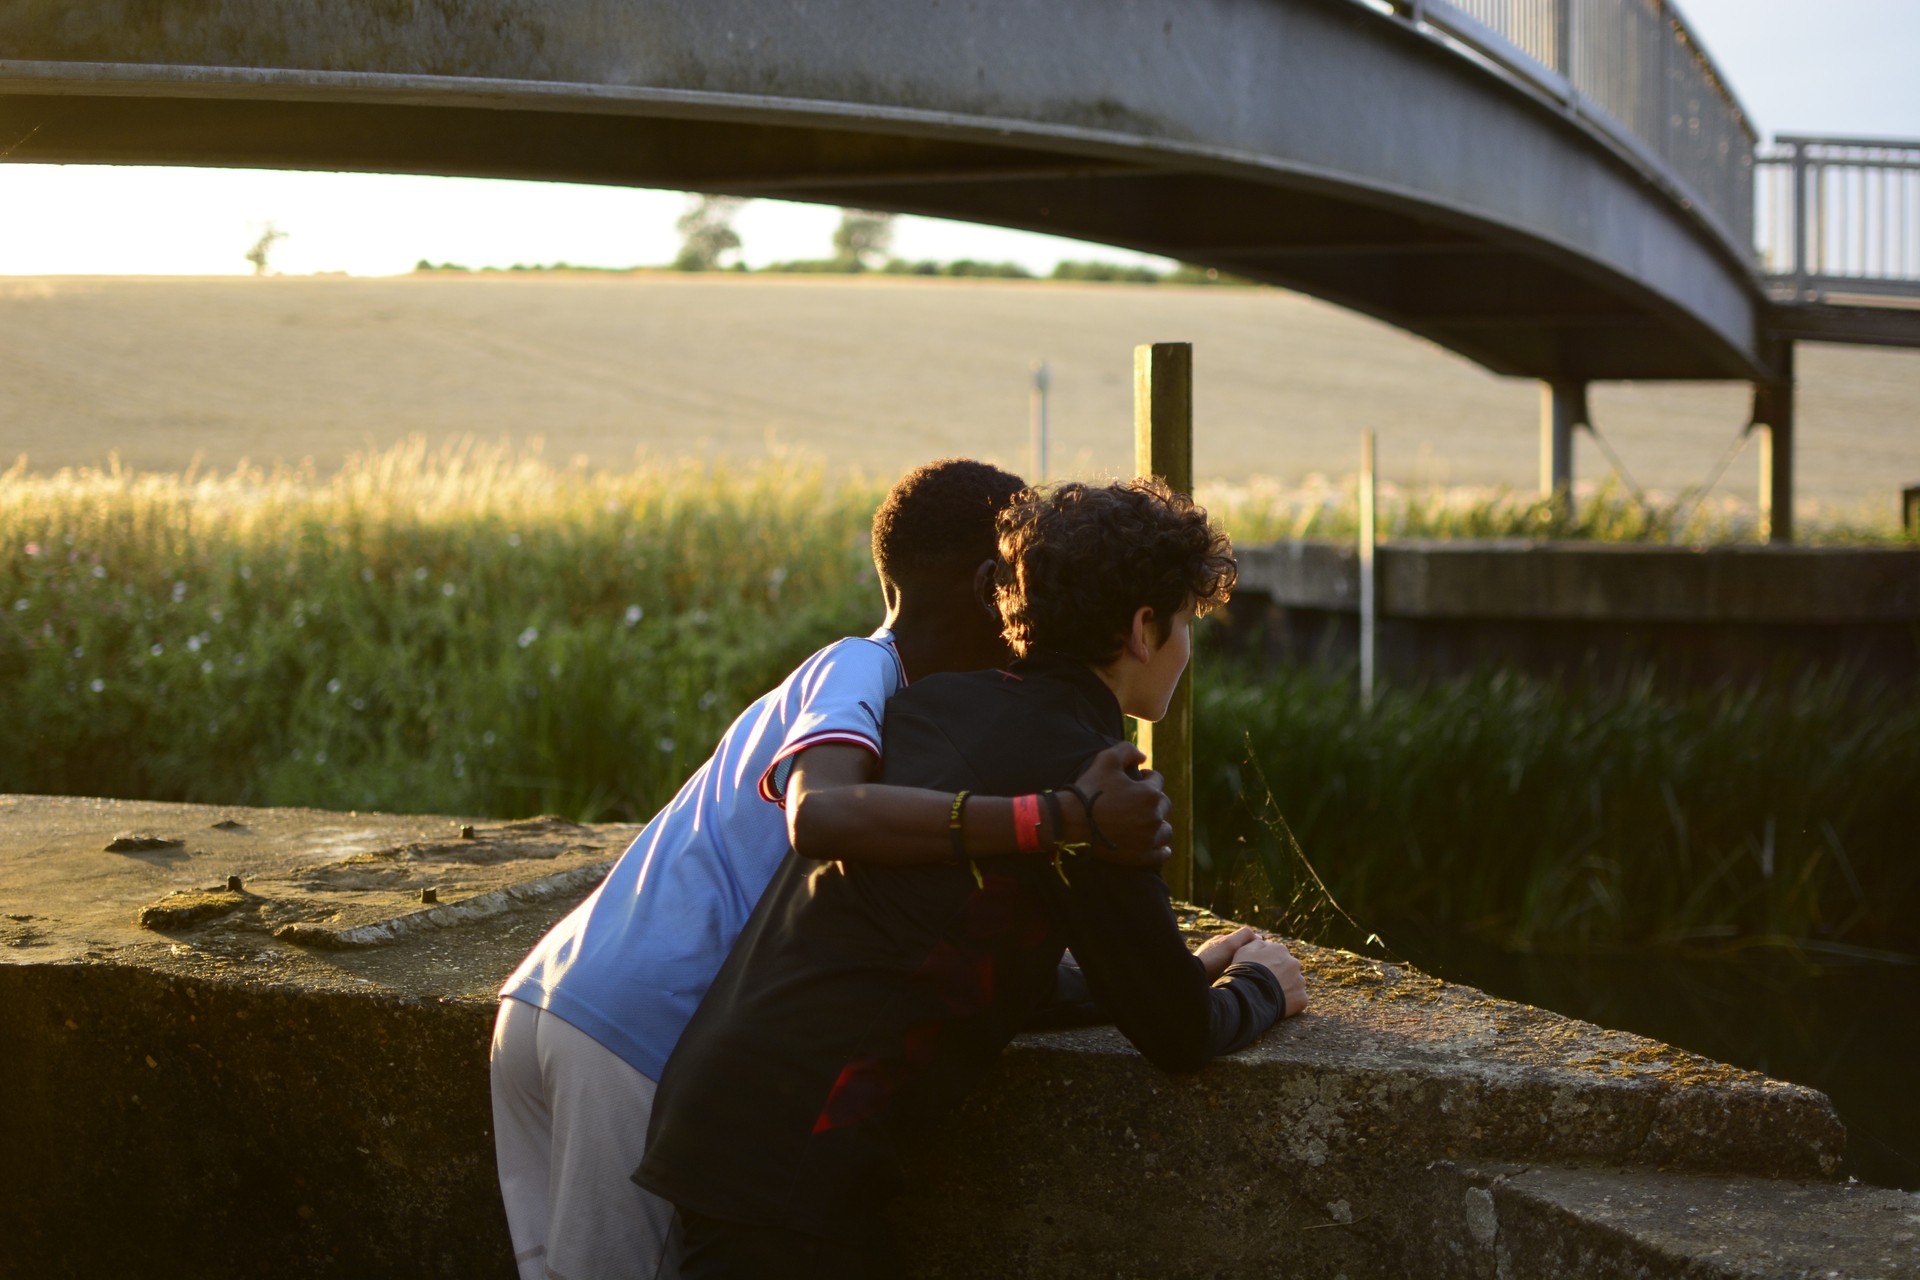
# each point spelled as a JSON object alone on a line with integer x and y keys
{"x": 214, "y": 1100}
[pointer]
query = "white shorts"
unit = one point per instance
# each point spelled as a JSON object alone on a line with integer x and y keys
{"x": 569, "y": 1128}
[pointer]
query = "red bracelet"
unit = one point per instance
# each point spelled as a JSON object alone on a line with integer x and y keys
{"x": 1026, "y": 823}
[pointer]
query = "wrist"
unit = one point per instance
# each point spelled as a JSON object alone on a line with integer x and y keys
{"x": 1071, "y": 820}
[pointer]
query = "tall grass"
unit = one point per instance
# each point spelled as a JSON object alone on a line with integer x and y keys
{"x": 1543, "y": 817}
{"x": 1321, "y": 509}
{"x": 468, "y": 632}
{"x": 479, "y": 632}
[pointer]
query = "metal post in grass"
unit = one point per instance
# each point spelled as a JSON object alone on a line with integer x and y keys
{"x": 1037, "y": 423}
{"x": 1563, "y": 410}
{"x": 1163, "y": 446}
{"x": 1369, "y": 598}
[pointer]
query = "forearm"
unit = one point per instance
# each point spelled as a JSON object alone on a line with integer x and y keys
{"x": 874, "y": 822}
{"x": 1243, "y": 1003}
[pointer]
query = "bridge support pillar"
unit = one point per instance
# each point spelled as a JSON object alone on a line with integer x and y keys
{"x": 1773, "y": 418}
{"x": 1563, "y": 410}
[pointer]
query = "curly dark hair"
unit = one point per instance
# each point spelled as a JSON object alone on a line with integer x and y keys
{"x": 1076, "y": 562}
{"x": 939, "y": 520}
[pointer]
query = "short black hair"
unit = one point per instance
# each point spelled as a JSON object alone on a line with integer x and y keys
{"x": 939, "y": 521}
{"x": 1077, "y": 561}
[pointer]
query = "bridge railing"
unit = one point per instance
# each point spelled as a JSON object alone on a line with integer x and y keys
{"x": 1840, "y": 217}
{"x": 1635, "y": 74}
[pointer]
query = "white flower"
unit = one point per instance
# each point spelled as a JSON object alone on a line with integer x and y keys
{"x": 528, "y": 636}
{"x": 99, "y": 571}
{"x": 156, "y": 649}
{"x": 333, "y": 685}
{"x": 96, "y": 684}
{"x": 446, "y": 589}
{"x": 22, "y": 605}
{"x": 666, "y": 745}
{"x": 420, "y": 574}
{"x": 179, "y": 592}
{"x": 634, "y": 614}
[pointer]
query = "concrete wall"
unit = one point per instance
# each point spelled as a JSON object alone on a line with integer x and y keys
{"x": 1693, "y": 615}
{"x": 197, "y": 1095}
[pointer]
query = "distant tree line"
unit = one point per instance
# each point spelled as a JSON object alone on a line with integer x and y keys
{"x": 861, "y": 244}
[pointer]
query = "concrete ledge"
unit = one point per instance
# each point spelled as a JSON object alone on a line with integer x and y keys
{"x": 218, "y": 1101}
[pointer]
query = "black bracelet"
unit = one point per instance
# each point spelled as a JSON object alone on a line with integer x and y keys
{"x": 1053, "y": 815}
{"x": 1093, "y": 827}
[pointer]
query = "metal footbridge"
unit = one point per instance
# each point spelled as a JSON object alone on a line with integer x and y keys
{"x": 1565, "y": 190}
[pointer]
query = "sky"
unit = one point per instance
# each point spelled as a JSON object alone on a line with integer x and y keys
{"x": 1799, "y": 66}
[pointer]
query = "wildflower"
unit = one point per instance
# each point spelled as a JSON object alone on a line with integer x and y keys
{"x": 634, "y": 614}
{"x": 359, "y": 704}
{"x": 333, "y": 685}
{"x": 156, "y": 649}
{"x": 99, "y": 571}
{"x": 22, "y": 605}
{"x": 666, "y": 745}
{"x": 487, "y": 738}
{"x": 206, "y": 666}
{"x": 79, "y": 651}
{"x": 513, "y": 539}
{"x": 179, "y": 592}
{"x": 707, "y": 700}
{"x": 320, "y": 756}
{"x": 528, "y": 636}
{"x": 193, "y": 643}
{"x": 216, "y": 615}
{"x": 447, "y": 589}
{"x": 33, "y": 548}
{"x": 420, "y": 574}
{"x": 96, "y": 684}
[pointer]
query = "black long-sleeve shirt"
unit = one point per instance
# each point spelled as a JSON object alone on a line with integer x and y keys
{"x": 863, "y": 1001}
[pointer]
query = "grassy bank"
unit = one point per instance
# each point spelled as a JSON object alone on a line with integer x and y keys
{"x": 483, "y": 633}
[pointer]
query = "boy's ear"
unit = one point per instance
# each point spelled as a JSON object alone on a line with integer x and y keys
{"x": 1137, "y": 644}
{"x": 983, "y": 587}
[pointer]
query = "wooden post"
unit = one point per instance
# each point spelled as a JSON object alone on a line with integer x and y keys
{"x": 1163, "y": 446}
{"x": 1773, "y": 409}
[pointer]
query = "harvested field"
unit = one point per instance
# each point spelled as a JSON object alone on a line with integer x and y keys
{"x": 872, "y": 373}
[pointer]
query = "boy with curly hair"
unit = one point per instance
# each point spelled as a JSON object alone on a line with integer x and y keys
{"x": 862, "y": 1001}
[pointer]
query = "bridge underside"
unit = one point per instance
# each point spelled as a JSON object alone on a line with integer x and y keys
{"x": 1454, "y": 206}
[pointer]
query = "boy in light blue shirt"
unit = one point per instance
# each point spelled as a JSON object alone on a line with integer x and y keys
{"x": 591, "y": 1015}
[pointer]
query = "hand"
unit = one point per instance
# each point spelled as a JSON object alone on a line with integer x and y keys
{"x": 1293, "y": 983}
{"x": 1131, "y": 809}
{"x": 1215, "y": 954}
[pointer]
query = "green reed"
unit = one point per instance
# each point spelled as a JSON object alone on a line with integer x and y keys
{"x": 467, "y": 632}
{"x": 1582, "y": 817}
{"x": 479, "y": 632}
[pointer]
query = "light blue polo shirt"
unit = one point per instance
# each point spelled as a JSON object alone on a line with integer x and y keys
{"x": 628, "y": 966}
